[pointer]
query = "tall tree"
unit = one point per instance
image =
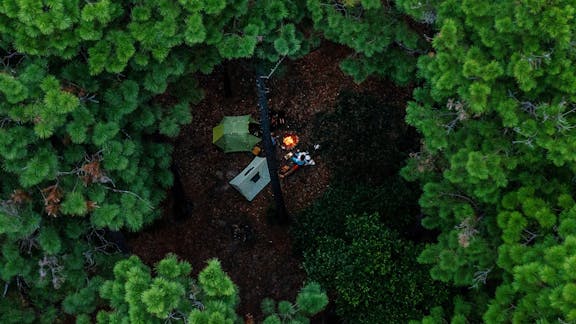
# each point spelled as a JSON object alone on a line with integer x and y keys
{"x": 83, "y": 89}
{"x": 269, "y": 148}
{"x": 136, "y": 294}
{"x": 380, "y": 36}
{"x": 497, "y": 114}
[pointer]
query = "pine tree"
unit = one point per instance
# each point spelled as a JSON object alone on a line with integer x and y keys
{"x": 496, "y": 112}
{"x": 383, "y": 42}
{"x": 138, "y": 294}
{"x": 81, "y": 85}
{"x": 310, "y": 300}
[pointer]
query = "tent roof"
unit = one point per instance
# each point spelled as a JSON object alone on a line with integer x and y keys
{"x": 252, "y": 179}
{"x": 232, "y": 134}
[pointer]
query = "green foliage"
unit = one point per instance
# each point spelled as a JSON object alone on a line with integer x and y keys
{"x": 84, "y": 128}
{"x": 50, "y": 259}
{"x": 72, "y": 144}
{"x": 79, "y": 98}
{"x": 496, "y": 112}
{"x": 383, "y": 42}
{"x": 49, "y": 240}
{"x": 370, "y": 258}
{"x": 394, "y": 202}
{"x": 138, "y": 295}
{"x": 310, "y": 300}
{"x": 83, "y": 301}
{"x": 215, "y": 282}
{"x": 12, "y": 89}
{"x": 15, "y": 313}
{"x": 74, "y": 204}
{"x": 369, "y": 264}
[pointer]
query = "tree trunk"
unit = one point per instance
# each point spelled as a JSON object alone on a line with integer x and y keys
{"x": 118, "y": 238}
{"x": 228, "y": 92}
{"x": 281, "y": 213}
{"x": 182, "y": 207}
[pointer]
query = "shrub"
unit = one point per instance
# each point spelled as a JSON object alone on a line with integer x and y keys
{"x": 373, "y": 272}
{"x": 396, "y": 203}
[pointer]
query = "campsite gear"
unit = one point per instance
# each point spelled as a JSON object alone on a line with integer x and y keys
{"x": 289, "y": 171}
{"x": 277, "y": 119}
{"x": 256, "y": 150}
{"x": 232, "y": 134}
{"x": 252, "y": 179}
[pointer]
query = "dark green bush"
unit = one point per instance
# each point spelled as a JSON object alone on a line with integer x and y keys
{"x": 396, "y": 202}
{"x": 367, "y": 262}
{"x": 373, "y": 272}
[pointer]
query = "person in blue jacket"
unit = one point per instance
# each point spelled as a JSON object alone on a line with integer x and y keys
{"x": 300, "y": 159}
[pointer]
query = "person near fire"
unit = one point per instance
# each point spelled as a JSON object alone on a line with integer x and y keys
{"x": 303, "y": 159}
{"x": 300, "y": 159}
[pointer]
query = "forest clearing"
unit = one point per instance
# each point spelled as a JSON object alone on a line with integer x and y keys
{"x": 263, "y": 261}
{"x": 297, "y": 161}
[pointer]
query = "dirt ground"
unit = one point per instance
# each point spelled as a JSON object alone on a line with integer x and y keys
{"x": 257, "y": 256}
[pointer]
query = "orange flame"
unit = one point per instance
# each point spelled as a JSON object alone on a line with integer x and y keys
{"x": 290, "y": 141}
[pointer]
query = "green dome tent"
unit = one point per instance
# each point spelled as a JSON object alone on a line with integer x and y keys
{"x": 232, "y": 134}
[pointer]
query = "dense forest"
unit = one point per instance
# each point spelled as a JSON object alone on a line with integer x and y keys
{"x": 451, "y": 161}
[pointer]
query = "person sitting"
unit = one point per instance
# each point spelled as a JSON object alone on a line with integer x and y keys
{"x": 299, "y": 159}
{"x": 302, "y": 159}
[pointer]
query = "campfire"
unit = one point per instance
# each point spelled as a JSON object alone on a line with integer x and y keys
{"x": 289, "y": 141}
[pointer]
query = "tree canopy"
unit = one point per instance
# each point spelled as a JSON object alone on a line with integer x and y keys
{"x": 89, "y": 92}
{"x": 496, "y": 112}
{"x": 92, "y": 91}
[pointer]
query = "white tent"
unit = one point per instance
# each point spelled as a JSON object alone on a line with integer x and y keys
{"x": 252, "y": 179}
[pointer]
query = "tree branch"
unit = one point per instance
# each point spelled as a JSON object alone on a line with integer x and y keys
{"x": 274, "y": 69}
{"x": 6, "y": 285}
{"x": 149, "y": 205}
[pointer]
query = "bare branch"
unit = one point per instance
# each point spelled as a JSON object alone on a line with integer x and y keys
{"x": 459, "y": 196}
{"x": 480, "y": 277}
{"x": 8, "y": 207}
{"x": 131, "y": 193}
{"x": 528, "y": 236}
{"x": 274, "y": 69}
{"x": 529, "y": 137}
{"x": 6, "y": 285}
{"x": 105, "y": 244}
{"x": 28, "y": 243}
{"x": 50, "y": 264}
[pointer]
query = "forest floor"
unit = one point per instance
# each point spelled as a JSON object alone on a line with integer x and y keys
{"x": 258, "y": 256}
